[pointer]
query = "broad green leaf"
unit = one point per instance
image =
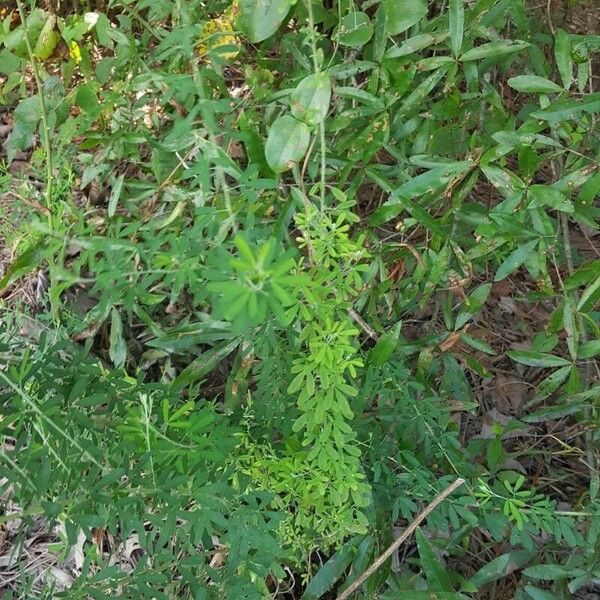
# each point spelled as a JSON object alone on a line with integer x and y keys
{"x": 584, "y": 274}
{"x": 9, "y": 62}
{"x": 501, "y": 567}
{"x": 562, "y": 54}
{"x": 537, "y": 359}
{"x": 570, "y": 325}
{"x": 514, "y": 260}
{"x": 426, "y": 182}
{"x": 434, "y": 62}
{"x": 364, "y": 557}
{"x": 385, "y": 346}
{"x": 533, "y": 84}
{"x": 454, "y": 381}
{"x": 476, "y": 343}
{"x": 260, "y": 19}
{"x": 183, "y": 337}
{"x": 26, "y": 262}
{"x": 413, "y": 44}
{"x": 544, "y": 195}
{"x": 495, "y": 455}
{"x": 26, "y": 117}
{"x": 47, "y": 40}
{"x": 418, "y": 95}
{"x": 590, "y": 296}
{"x": 475, "y": 301}
{"x": 551, "y": 383}
{"x": 478, "y": 297}
{"x": 380, "y": 36}
{"x": 505, "y": 181}
{"x": 117, "y": 349}
{"x": 355, "y": 30}
{"x": 456, "y": 12}
{"x": 310, "y": 100}
{"x": 563, "y": 110}
{"x": 86, "y": 97}
{"x": 15, "y": 40}
{"x": 204, "y": 364}
{"x": 494, "y": 49}
{"x": 390, "y": 210}
{"x": 538, "y": 594}
{"x": 583, "y": 75}
{"x": 417, "y": 186}
{"x": 557, "y": 411}
{"x": 518, "y": 138}
{"x": 548, "y": 572}
{"x": 474, "y": 365}
{"x": 437, "y": 579}
{"x": 574, "y": 179}
{"x": 287, "y": 143}
{"x": 330, "y": 572}
{"x": 589, "y": 349}
{"x": 115, "y": 194}
{"x": 361, "y": 96}
{"x": 403, "y": 14}
{"x": 343, "y": 70}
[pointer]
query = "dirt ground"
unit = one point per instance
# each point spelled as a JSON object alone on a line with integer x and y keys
{"x": 581, "y": 17}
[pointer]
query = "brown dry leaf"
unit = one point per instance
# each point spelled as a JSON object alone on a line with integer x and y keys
{"x": 235, "y": 150}
{"x": 397, "y": 271}
{"x": 509, "y": 394}
{"x": 450, "y": 341}
{"x": 502, "y": 288}
{"x": 218, "y": 559}
{"x": 98, "y": 538}
{"x": 507, "y": 305}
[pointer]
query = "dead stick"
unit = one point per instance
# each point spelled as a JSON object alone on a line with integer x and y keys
{"x": 363, "y": 325}
{"x": 397, "y": 543}
{"x": 30, "y": 202}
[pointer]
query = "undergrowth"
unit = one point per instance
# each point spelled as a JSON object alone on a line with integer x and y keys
{"x": 281, "y": 254}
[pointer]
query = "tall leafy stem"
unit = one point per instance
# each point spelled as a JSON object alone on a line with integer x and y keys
{"x": 43, "y": 111}
{"x": 317, "y": 65}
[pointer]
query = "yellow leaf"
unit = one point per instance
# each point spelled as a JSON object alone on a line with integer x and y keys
{"x": 218, "y": 33}
{"x": 75, "y": 52}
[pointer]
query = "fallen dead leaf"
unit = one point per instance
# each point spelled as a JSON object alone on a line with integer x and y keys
{"x": 450, "y": 341}
{"x": 509, "y": 394}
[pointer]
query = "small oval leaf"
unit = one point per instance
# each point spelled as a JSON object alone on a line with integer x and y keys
{"x": 310, "y": 100}
{"x": 287, "y": 143}
{"x": 260, "y": 19}
{"x": 354, "y": 30}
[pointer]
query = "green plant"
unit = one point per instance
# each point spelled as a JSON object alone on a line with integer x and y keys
{"x": 280, "y": 252}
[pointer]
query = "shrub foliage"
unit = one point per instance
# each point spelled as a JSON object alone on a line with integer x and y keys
{"x": 285, "y": 252}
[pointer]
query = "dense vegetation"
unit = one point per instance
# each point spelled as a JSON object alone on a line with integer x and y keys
{"x": 277, "y": 273}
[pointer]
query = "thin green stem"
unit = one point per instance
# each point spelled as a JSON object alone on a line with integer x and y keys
{"x": 43, "y": 109}
{"x": 317, "y": 69}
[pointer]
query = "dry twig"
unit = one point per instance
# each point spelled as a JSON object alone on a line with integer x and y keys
{"x": 397, "y": 543}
